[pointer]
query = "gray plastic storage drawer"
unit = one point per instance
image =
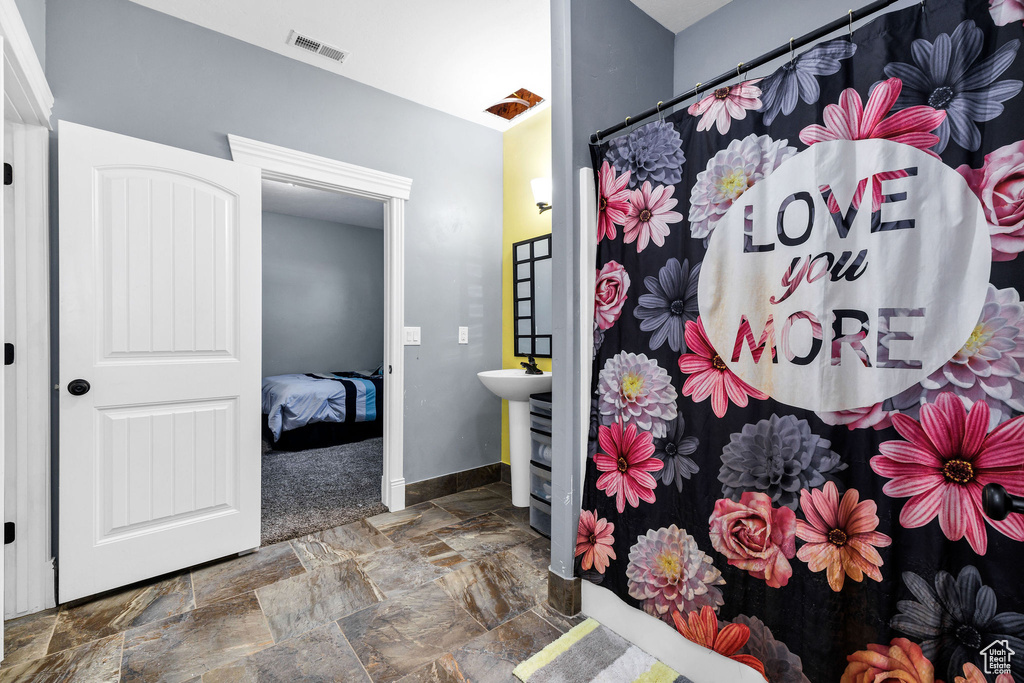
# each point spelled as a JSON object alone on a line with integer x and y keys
{"x": 540, "y": 517}
{"x": 540, "y": 448}
{"x": 540, "y": 424}
{"x": 540, "y": 481}
{"x": 540, "y": 404}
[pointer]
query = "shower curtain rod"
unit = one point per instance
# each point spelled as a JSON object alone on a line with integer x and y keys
{"x": 793, "y": 44}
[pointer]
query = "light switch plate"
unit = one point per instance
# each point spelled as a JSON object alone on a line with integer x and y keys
{"x": 412, "y": 336}
{"x": 463, "y": 335}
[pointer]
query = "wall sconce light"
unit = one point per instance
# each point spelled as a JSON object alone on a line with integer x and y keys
{"x": 542, "y": 193}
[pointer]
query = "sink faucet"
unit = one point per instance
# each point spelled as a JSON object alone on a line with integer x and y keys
{"x": 531, "y": 367}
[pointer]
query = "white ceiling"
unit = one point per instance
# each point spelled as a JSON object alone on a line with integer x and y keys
{"x": 292, "y": 200}
{"x": 675, "y": 15}
{"x": 458, "y": 56}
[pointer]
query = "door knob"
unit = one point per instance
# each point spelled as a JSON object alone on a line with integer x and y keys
{"x": 77, "y": 387}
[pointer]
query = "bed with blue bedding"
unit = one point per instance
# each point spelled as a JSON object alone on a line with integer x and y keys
{"x": 313, "y": 410}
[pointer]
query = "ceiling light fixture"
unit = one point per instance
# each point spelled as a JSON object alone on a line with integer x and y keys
{"x": 517, "y": 103}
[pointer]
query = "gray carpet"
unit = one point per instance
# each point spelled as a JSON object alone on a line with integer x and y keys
{"x": 308, "y": 491}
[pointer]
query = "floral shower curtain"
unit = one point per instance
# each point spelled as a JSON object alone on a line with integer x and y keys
{"x": 809, "y": 342}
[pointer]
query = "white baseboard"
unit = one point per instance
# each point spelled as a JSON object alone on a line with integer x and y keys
{"x": 395, "y": 495}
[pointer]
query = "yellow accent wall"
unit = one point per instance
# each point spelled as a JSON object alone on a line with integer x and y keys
{"x": 527, "y": 154}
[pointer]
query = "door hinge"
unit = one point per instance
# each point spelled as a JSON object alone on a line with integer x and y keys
{"x": 8, "y": 533}
{"x": 8, "y": 353}
{"x": 8, "y": 174}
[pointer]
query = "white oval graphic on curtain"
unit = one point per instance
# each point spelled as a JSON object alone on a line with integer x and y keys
{"x": 850, "y": 274}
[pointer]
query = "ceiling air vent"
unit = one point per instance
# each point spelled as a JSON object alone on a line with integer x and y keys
{"x": 315, "y": 46}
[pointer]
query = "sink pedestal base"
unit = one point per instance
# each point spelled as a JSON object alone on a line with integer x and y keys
{"x": 516, "y": 387}
{"x": 519, "y": 451}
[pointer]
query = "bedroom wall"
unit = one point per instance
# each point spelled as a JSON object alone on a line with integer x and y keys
{"x": 708, "y": 48}
{"x": 116, "y": 65}
{"x": 33, "y": 13}
{"x": 323, "y": 296}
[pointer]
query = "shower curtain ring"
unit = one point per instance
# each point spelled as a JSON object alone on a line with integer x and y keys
{"x": 792, "y": 57}
{"x": 738, "y": 67}
{"x": 696, "y": 89}
{"x": 851, "y": 24}
{"x": 658, "y": 108}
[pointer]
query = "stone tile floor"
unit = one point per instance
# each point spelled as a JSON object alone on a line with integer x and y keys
{"x": 449, "y": 590}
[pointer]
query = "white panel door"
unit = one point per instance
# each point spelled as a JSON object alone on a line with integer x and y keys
{"x": 160, "y": 312}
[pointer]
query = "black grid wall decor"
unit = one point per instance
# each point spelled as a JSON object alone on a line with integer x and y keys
{"x": 526, "y": 257}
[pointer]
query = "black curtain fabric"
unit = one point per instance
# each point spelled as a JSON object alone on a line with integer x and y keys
{"x": 811, "y": 544}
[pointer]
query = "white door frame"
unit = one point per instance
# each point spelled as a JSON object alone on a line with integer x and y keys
{"x": 28, "y": 576}
{"x": 308, "y": 170}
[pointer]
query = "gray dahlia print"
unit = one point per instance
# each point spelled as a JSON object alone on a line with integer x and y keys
{"x": 652, "y": 152}
{"x": 778, "y": 456}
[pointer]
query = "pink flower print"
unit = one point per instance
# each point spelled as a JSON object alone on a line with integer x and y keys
{"x": 626, "y": 459}
{"x": 610, "y": 294}
{"x": 874, "y": 417}
{"x": 725, "y": 104}
{"x": 668, "y": 573}
{"x": 650, "y": 215}
{"x": 946, "y": 460}
{"x": 851, "y": 119}
{"x": 709, "y": 375}
{"x": 594, "y": 541}
{"x": 612, "y": 201}
{"x": 840, "y": 535}
{"x": 755, "y": 537}
{"x": 973, "y": 674}
{"x": 902, "y": 661}
{"x": 999, "y": 184}
{"x": 1006, "y": 11}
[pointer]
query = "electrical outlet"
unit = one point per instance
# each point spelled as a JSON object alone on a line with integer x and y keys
{"x": 412, "y": 336}
{"x": 463, "y": 335}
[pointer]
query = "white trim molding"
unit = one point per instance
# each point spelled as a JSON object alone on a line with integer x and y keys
{"x": 284, "y": 165}
{"x": 588, "y": 280}
{"x": 308, "y": 170}
{"x": 28, "y": 571}
{"x": 393, "y": 480}
{"x": 26, "y": 93}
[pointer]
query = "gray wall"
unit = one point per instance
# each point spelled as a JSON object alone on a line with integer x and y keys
{"x": 115, "y": 65}
{"x": 622, "y": 63}
{"x": 323, "y": 296}
{"x": 33, "y": 13}
{"x": 608, "y": 60}
{"x": 708, "y": 48}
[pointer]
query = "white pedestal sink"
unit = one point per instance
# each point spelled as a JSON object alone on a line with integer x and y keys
{"x": 515, "y": 386}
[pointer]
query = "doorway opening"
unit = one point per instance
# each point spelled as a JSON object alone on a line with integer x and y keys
{"x": 389, "y": 192}
{"x": 323, "y": 358}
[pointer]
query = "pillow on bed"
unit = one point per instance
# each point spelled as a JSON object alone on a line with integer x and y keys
{"x": 371, "y": 373}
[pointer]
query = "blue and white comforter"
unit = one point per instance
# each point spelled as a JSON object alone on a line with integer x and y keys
{"x": 296, "y": 400}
